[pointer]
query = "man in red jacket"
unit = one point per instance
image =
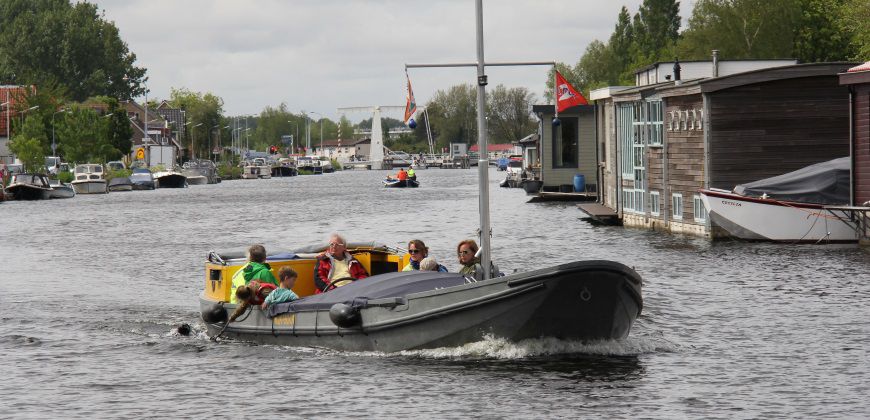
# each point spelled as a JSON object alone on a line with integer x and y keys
{"x": 336, "y": 267}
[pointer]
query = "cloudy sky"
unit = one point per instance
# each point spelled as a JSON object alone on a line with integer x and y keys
{"x": 322, "y": 55}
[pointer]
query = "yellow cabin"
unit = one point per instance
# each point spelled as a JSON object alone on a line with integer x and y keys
{"x": 220, "y": 267}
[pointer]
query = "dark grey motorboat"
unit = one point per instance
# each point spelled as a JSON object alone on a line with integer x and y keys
{"x": 142, "y": 179}
{"x": 586, "y": 300}
{"x": 61, "y": 190}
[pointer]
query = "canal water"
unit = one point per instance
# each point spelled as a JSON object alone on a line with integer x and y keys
{"x": 94, "y": 287}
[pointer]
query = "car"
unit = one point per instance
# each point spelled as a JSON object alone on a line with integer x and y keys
{"x": 116, "y": 165}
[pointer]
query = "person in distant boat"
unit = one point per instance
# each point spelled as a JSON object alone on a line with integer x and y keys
{"x": 402, "y": 175}
{"x": 412, "y": 174}
{"x": 251, "y": 294}
{"x": 418, "y": 251}
{"x": 284, "y": 293}
{"x": 471, "y": 267}
{"x": 255, "y": 269}
{"x": 336, "y": 267}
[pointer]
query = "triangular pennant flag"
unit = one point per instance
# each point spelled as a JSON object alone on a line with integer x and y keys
{"x": 410, "y": 105}
{"x": 566, "y": 95}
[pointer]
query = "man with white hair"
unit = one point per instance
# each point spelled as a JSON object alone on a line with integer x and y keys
{"x": 336, "y": 267}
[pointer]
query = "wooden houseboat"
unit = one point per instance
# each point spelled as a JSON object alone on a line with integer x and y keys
{"x": 567, "y": 150}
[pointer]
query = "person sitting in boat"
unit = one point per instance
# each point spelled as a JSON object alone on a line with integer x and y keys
{"x": 284, "y": 293}
{"x": 255, "y": 269}
{"x": 251, "y": 294}
{"x": 336, "y": 267}
{"x": 402, "y": 175}
{"x": 412, "y": 174}
{"x": 471, "y": 267}
{"x": 418, "y": 251}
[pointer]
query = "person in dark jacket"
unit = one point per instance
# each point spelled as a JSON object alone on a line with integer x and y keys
{"x": 336, "y": 267}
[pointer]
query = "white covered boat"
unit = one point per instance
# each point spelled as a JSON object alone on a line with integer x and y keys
{"x": 800, "y": 206}
{"x": 89, "y": 178}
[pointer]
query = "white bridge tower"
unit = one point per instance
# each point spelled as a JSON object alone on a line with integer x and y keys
{"x": 376, "y": 152}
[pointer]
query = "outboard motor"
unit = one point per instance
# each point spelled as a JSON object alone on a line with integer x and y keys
{"x": 214, "y": 315}
{"x": 345, "y": 316}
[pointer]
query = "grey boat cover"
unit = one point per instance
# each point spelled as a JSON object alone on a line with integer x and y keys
{"x": 822, "y": 183}
{"x": 379, "y": 286}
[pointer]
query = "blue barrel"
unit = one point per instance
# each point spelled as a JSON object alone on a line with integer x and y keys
{"x": 579, "y": 183}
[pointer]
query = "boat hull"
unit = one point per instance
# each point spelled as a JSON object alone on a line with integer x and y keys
{"x": 772, "y": 220}
{"x": 28, "y": 192}
{"x": 170, "y": 180}
{"x": 588, "y": 300}
{"x": 62, "y": 191}
{"x": 197, "y": 180}
{"x": 401, "y": 184}
{"x": 97, "y": 186}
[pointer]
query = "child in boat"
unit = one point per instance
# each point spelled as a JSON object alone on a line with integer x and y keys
{"x": 284, "y": 293}
{"x": 430, "y": 264}
{"x": 253, "y": 293}
{"x": 257, "y": 269}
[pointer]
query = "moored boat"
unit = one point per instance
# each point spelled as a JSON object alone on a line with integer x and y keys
{"x": 142, "y": 179}
{"x": 170, "y": 179}
{"x": 799, "y": 206}
{"x": 28, "y": 186}
{"x": 89, "y": 178}
{"x": 200, "y": 172}
{"x": 61, "y": 190}
{"x": 120, "y": 184}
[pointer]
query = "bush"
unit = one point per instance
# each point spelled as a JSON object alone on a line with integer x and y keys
{"x": 120, "y": 173}
{"x": 65, "y": 177}
{"x": 229, "y": 172}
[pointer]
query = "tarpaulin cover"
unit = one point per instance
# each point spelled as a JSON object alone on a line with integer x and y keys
{"x": 380, "y": 286}
{"x": 822, "y": 183}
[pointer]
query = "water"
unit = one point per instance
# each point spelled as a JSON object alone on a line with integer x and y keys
{"x": 93, "y": 289}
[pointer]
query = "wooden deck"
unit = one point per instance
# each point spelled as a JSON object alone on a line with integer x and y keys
{"x": 600, "y": 213}
{"x": 563, "y": 196}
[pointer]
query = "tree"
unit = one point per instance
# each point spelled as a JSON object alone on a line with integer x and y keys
{"x": 656, "y": 28}
{"x": 81, "y": 135}
{"x": 854, "y": 15}
{"x": 510, "y": 114}
{"x": 118, "y": 130}
{"x": 69, "y": 44}
{"x": 818, "y": 36}
{"x": 203, "y": 112}
{"x": 29, "y": 145}
{"x": 741, "y": 29}
{"x": 454, "y": 115}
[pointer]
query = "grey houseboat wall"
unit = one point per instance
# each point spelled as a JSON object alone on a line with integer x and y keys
{"x": 567, "y": 149}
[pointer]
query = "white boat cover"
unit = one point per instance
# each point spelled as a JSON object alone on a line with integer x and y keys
{"x": 822, "y": 183}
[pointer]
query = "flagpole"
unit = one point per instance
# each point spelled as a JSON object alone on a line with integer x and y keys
{"x": 555, "y": 91}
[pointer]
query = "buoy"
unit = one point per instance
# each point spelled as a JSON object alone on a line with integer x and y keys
{"x": 344, "y": 316}
{"x": 215, "y": 314}
{"x": 412, "y": 123}
{"x": 556, "y": 122}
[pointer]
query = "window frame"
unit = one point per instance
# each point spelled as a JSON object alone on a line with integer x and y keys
{"x": 677, "y": 203}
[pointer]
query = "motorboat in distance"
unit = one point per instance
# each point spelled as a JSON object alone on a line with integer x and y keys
{"x": 142, "y": 179}
{"x": 89, "y": 178}
{"x": 120, "y": 184}
{"x": 29, "y": 186}
{"x": 61, "y": 190}
{"x": 170, "y": 179}
{"x": 395, "y": 183}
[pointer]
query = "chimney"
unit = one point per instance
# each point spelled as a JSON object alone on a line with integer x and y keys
{"x": 715, "y": 63}
{"x": 677, "y": 68}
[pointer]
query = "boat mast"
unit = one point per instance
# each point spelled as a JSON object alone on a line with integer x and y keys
{"x": 483, "y": 160}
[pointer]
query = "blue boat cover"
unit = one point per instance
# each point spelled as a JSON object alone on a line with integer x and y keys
{"x": 380, "y": 286}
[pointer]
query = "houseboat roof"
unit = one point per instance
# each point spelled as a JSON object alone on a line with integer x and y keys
{"x": 551, "y": 109}
{"x": 856, "y": 75}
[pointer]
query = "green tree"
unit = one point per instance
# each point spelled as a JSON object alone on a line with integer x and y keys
{"x": 69, "y": 44}
{"x": 818, "y": 36}
{"x": 655, "y": 28}
{"x": 454, "y": 115}
{"x": 509, "y": 114}
{"x": 854, "y": 15}
{"x": 741, "y": 29}
{"x": 118, "y": 131}
{"x": 81, "y": 135}
{"x": 29, "y": 145}
{"x": 203, "y": 113}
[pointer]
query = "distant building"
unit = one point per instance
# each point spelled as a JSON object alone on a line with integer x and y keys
{"x": 12, "y": 99}
{"x": 495, "y": 151}
{"x": 343, "y": 150}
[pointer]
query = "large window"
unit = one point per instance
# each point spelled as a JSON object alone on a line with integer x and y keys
{"x": 698, "y": 208}
{"x": 565, "y": 138}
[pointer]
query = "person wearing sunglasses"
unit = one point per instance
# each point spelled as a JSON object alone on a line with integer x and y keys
{"x": 336, "y": 267}
{"x": 418, "y": 251}
{"x": 470, "y": 263}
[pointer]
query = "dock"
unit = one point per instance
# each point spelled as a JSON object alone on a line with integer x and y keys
{"x": 562, "y": 196}
{"x": 600, "y": 213}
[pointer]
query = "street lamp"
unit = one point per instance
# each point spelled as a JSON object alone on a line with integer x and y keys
{"x": 321, "y": 129}
{"x": 193, "y": 139}
{"x": 296, "y": 136}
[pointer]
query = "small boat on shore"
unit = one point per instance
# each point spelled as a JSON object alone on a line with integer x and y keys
{"x": 170, "y": 179}
{"x": 89, "y": 178}
{"x": 200, "y": 172}
{"x": 395, "y": 183}
{"x": 799, "y": 206}
{"x": 120, "y": 184}
{"x": 28, "y": 186}
{"x": 61, "y": 190}
{"x": 142, "y": 179}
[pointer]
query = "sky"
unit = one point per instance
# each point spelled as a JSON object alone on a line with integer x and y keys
{"x": 318, "y": 56}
